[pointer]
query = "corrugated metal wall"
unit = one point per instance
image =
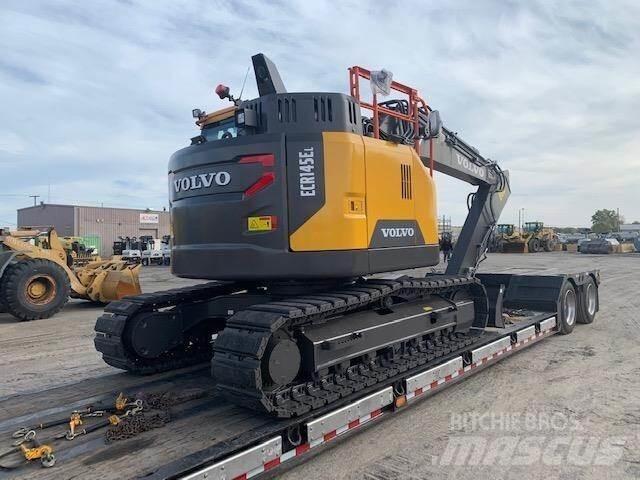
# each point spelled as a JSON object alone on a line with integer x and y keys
{"x": 59, "y": 216}
{"x": 111, "y": 223}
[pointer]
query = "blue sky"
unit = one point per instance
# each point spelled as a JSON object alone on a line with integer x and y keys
{"x": 97, "y": 95}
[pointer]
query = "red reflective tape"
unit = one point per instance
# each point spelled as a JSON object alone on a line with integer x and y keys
{"x": 433, "y": 384}
{"x": 419, "y": 391}
{"x": 329, "y": 436}
{"x": 272, "y": 463}
{"x": 241, "y": 477}
{"x": 300, "y": 449}
{"x": 377, "y": 412}
{"x": 461, "y": 371}
{"x": 447, "y": 378}
{"x": 354, "y": 423}
{"x": 264, "y": 181}
{"x": 265, "y": 160}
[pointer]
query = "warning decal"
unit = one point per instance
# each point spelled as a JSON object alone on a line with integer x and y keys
{"x": 260, "y": 224}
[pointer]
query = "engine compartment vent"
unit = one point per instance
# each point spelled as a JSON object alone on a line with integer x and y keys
{"x": 405, "y": 179}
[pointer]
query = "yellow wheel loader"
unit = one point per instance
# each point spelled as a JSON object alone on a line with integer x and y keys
{"x": 508, "y": 240}
{"x": 37, "y": 277}
{"x": 535, "y": 237}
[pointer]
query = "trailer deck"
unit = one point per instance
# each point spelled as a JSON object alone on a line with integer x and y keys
{"x": 203, "y": 431}
{"x": 236, "y": 442}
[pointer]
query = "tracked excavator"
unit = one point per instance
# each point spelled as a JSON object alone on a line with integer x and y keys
{"x": 292, "y": 202}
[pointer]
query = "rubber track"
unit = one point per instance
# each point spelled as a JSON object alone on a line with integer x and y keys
{"x": 239, "y": 348}
{"x": 111, "y": 327}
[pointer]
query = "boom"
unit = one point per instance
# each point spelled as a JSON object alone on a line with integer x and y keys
{"x": 456, "y": 158}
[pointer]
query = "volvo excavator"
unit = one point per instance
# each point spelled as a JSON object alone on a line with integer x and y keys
{"x": 298, "y": 206}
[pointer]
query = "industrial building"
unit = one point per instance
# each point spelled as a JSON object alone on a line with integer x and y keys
{"x": 99, "y": 226}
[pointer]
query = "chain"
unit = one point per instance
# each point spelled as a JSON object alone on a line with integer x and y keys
{"x": 136, "y": 424}
{"x": 155, "y": 413}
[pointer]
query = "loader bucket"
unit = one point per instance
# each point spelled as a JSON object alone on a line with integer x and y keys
{"x": 109, "y": 280}
{"x": 514, "y": 247}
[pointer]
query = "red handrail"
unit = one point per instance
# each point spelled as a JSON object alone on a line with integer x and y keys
{"x": 356, "y": 73}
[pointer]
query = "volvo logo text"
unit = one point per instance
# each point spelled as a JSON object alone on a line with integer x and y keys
{"x": 203, "y": 180}
{"x": 472, "y": 167}
{"x": 398, "y": 232}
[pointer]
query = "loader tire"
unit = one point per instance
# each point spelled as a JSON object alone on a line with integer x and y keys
{"x": 588, "y": 302}
{"x": 33, "y": 289}
{"x": 549, "y": 245}
{"x": 534, "y": 245}
{"x": 568, "y": 309}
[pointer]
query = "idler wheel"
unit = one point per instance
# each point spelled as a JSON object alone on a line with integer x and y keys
{"x": 282, "y": 359}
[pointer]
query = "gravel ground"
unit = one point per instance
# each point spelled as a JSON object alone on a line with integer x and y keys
{"x": 566, "y": 408}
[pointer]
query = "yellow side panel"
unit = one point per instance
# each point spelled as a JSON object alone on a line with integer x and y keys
{"x": 384, "y": 182}
{"x": 341, "y": 224}
{"x": 386, "y": 199}
{"x": 425, "y": 198}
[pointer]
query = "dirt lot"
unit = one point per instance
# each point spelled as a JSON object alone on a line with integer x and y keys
{"x": 567, "y": 408}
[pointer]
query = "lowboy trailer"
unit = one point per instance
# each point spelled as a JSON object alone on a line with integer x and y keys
{"x": 270, "y": 449}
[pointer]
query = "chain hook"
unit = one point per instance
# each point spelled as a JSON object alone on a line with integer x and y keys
{"x": 30, "y": 435}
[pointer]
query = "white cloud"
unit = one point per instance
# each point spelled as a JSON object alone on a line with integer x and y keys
{"x": 97, "y": 97}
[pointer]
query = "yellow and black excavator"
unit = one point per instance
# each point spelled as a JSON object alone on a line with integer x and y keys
{"x": 37, "y": 275}
{"x": 290, "y": 202}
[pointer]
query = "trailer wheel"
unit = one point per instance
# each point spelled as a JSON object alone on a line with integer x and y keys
{"x": 568, "y": 310}
{"x": 588, "y": 304}
{"x": 34, "y": 288}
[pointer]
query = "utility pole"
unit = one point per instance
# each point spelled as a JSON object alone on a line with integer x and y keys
{"x": 35, "y": 199}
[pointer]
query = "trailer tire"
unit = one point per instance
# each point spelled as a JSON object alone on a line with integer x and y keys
{"x": 588, "y": 302}
{"x": 34, "y": 289}
{"x": 568, "y": 310}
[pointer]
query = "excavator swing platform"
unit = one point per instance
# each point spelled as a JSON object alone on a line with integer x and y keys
{"x": 298, "y": 206}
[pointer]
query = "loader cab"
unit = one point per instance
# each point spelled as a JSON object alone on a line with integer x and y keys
{"x": 505, "y": 229}
{"x": 533, "y": 227}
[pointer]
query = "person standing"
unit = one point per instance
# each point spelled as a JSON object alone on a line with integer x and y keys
{"x": 446, "y": 246}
